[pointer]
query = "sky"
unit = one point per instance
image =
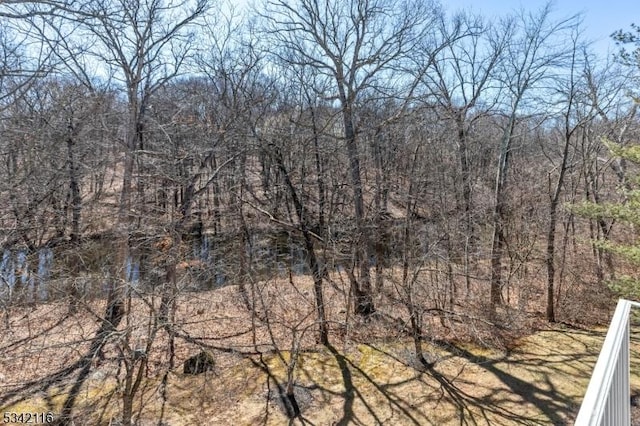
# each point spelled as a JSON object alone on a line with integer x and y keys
{"x": 601, "y": 17}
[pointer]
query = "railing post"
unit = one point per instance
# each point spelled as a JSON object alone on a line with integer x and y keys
{"x": 607, "y": 400}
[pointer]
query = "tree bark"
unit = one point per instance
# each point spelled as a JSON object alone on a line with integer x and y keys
{"x": 499, "y": 214}
{"x": 362, "y": 292}
{"x": 312, "y": 259}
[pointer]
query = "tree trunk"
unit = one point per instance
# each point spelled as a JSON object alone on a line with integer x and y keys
{"x": 76, "y": 206}
{"x": 312, "y": 259}
{"x": 467, "y": 207}
{"x": 363, "y": 295}
{"x": 551, "y": 232}
{"x": 499, "y": 214}
{"x": 74, "y": 188}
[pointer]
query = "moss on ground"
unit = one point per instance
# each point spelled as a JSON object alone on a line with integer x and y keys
{"x": 540, "y": 381}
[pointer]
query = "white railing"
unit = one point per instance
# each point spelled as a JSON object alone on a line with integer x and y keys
{"x": 607, "y": 402}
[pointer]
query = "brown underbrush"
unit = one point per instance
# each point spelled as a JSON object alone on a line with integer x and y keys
{"x": 508, "y": 367}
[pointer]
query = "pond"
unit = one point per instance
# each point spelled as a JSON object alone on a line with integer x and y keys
{"x": 42, "y": 275}
{"x": 18, "y": 275}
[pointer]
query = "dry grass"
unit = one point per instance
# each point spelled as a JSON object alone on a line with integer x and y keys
{"x": 367, "y": 377}
{"x": 540, "y": 382}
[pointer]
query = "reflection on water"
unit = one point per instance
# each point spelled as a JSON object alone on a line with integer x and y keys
{"x": 278, "y": 254}
{"x": 7, "y": 271}
{"x": 22, "y": 267}
{"x": 17, "y": 275}
{"x": 45, "y": 263}
{"x": 132, "y": 269}
{"x": 204, "y": 250}
{"x": 30, "y": 276}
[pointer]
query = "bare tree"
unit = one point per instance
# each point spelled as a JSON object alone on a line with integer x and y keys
{"x": 462, "y": 85}
{"x": 23, "y": 60}
{"x": 356, "y": 44}
{"x": 575, "y": 113}
{"x": 140, "y": 46}
{"x": 529, "y": 61}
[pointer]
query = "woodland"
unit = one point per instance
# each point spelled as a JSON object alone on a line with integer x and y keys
{"x": 188, "y": 186}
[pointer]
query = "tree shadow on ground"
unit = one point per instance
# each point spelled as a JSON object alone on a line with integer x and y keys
{"x": 542, "y": 393}
{"x": 290, "y": 406}
{"x": 30, "y": 388}
{"x": 43, "y": 385}
{"x": 529, "y": 387}
{"x": 397, "y": 402}
{"x": 501, "y": 389}
{"x": 470, "y": 409}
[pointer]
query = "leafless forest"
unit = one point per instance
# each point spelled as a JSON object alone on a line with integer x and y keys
{"x": 182, "y": 176}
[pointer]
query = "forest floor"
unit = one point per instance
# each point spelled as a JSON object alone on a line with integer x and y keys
{"x": 365, "y": 379}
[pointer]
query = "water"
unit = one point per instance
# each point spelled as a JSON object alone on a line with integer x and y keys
{"x": 7, "y": 270}
{"x": 132, "y": 271}
{"x": 45, "y": 263}
{"x": 298, "y": 262}
{"x": 31, "y": 274}
{"x": 22, "y": 267}
{"x": 15, "y": 271}
{"x": 204, "y": 250}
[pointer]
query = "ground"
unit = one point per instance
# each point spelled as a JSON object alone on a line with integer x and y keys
{"x": 541, "y": 379}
